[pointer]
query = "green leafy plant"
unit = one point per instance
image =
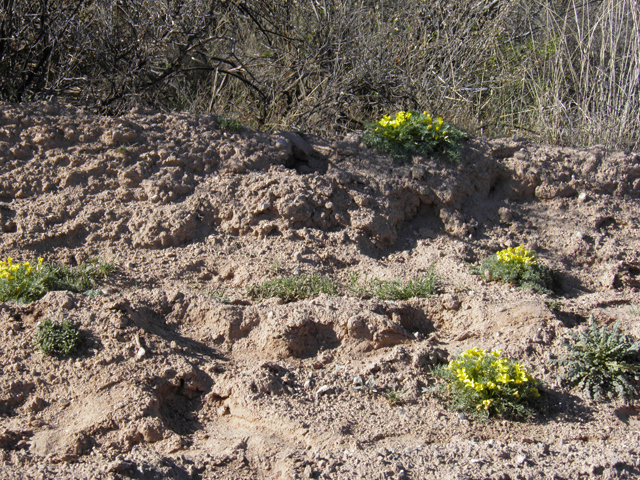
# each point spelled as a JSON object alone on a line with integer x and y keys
{"x": 394, "y": 396}
{"x": 27, "y": 282}
{"x": 230, "y": 124}
{"x": 219, "y": 295}
{"x": 78, "y": 279}
{"x": 483, "y": 384}
{"x": 414, "y": 133}
{"x": 22, "y": 282}
{"x": 553, "y": 305}
{"x": 603, "y": 363}
{"x": 520, "y": 267}
{"x": 421, "y": 287}
{"x": 55, "y": 338}
{"x": 293, "y": 288}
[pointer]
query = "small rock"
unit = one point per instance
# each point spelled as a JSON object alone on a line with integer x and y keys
{"x": 583, "y": 197}
{"x": 463, "y": 336}
{"x": 451, "y": 302}
{"x": 119, "y": 466}
{"x": 324, "y": 389}
{"x": 462, "y": 416}
{"x": 580, "y": 235}
{"x": 402, "y": 474}
{"x": 297, "y": 256}
{"x": 505, "y": 215}
{"x": 520, "y": 459}
{"x": 140, "y": 353}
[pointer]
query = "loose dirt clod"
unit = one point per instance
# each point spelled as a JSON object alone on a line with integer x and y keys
{"x": 180, "y": 374}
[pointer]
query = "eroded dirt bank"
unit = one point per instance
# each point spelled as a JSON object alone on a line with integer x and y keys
{"x": 229, "y": 387}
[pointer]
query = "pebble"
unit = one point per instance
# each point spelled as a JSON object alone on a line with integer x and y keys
{"x": 520, "y": 459}
{"x": 583, "y": 196}
{"x": 462, "y": 416}
{"x": 140, "y": 353}
{"x": 580, "y": 235}
{"x": 324, "y": 389}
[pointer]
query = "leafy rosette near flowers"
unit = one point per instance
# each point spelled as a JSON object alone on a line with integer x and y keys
{"x": 414, "y": 133}
{"x": 485, "y": 383}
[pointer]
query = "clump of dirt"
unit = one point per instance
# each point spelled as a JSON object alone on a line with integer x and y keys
{"x": 181, "y": 375}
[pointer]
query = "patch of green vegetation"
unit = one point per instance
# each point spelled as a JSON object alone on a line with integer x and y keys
{"x": 553, "y": 305}
{"x": 293, "y": 288}
{"x": 602, "y": 363}
{"x": 230, "y": 124}
{"x": 55, "y": 338}
{"x": 219, "y": 295}
{"x": 394, "y": 396}
{"x": 482, "y": 384}
{"x": 519, "y": 267}
{"x": 415, "y": 133}
{"x": 420, "y": 287}
{"x": 26, "y": 282}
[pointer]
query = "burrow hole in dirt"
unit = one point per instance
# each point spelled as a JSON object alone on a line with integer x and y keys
{"x": 178, "y": 408}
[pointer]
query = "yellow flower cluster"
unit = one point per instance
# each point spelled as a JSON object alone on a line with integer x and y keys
{"x": 401, "y": 118}
{"x": 491, "y": 375}
{"x": 435, "y": 126}
{"x": 516, "y": 255}
{"x": 8, "y": 269}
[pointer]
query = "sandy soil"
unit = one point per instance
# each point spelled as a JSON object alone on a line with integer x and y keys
{"x": 181, "y": 375}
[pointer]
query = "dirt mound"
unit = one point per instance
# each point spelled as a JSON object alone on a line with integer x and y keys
{"x": 182, "y": 375}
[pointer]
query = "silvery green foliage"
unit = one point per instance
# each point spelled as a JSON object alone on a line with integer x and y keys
{"x": 603, "y": 363}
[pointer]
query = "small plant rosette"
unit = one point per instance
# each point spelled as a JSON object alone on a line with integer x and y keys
{"x": 414, "y": 133}
{"x": 55, "y": 338}
{"x": 483, "y": 384}
{"x": 602, "y": 363}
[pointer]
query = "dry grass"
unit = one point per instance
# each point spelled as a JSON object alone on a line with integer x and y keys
{"x": 556, "y": 71}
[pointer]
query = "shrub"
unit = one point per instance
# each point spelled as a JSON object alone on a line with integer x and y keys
{"x": 482, "y": 384}
{"x": 555, "y": 71}
{"x": 27, "y": 282}
{"x": 291, "y": 289}
{"x": 520, "y": 267}
{"x": 421, "y": 287}
{"x": 412, "y": 133}
{"x": 604, "y": 364}
{"x": 55, "y": 338}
